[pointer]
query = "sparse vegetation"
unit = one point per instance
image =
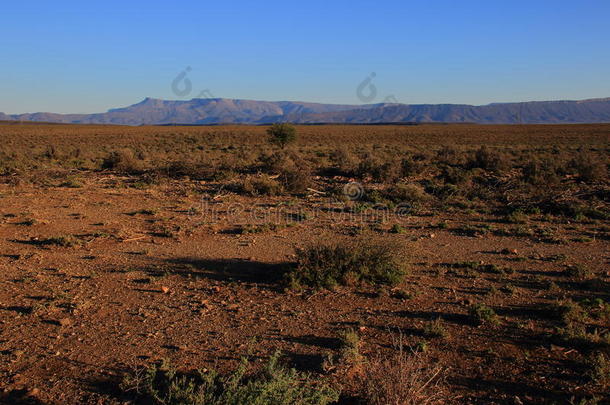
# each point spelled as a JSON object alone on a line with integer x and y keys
{"x": 435, "y": 329}
{"x": 329, "y": 265}
{"x": 181, "y": 234}
{"x": 162, "y": 384}
{"x": 577, "y": 271}
{"x": 482, "y": 314}
{"x": 350, "y": 347}
{"x": 63, "y": 241}
{"x": 600, "y": 369}
{"x": 403, "y": 378}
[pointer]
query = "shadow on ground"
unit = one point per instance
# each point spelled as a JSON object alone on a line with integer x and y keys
{"x": 245, "y": 271}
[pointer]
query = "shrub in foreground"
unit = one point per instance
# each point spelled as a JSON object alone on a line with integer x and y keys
{"x": 273, "y": 385}
{"x": 405, "y": 379}
{"x": 329, "y": 264}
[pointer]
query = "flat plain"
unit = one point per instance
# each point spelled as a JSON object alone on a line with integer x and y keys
{"x": 124, "y": 246}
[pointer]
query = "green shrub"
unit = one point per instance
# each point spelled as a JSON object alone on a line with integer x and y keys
{"x": 435, "y": 329}
{"x": 516, "y": 217}
{"x": 274, "y": 385}
{"x": 482, "y": 314}
{"x": 282, "y": 134}
{"x": 330, "y": 264}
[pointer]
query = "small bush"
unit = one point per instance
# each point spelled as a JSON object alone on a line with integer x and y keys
{"x": 403, "y": 379}
{"x": 327, "y": 265}
{"x": 63, "y": 241}
{"x": 123, "y": 161}
{"x": 282, "y": 134}
{"x": 397, "y": 228}
{"x": 71, "y": 183}
{"x": 350, "y": 347}
{"x": 292, "y": 171}
{"x": 295, "y": 175}
{"x": 263, "y": 185}
{"x": 589, "y": 169}
{"x": 435, "y": 329}
{"x": 454, "y": 175}
{"x": 516, "y": 217}
{"x": 410, "y": 167}
{"x": 274, "y": 385}
{"x": 578, "y": 271}
{"x": 540, "y": 172}
{"x": 449, "y": 156}
{"x": 191, "y": 169}
{"x": 482, "y": 314}
{"x": 407, "y": 193}
{"x": 488, "y": 159}
{"x": 379, "y": 170}
{"x": 344, "y": 161}
{"x": 568, "y": 312}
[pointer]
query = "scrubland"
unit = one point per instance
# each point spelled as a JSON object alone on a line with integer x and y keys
{"x": 358, "y": 264}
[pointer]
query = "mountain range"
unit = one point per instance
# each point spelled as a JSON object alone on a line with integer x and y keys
{"x": 211, "y": 111}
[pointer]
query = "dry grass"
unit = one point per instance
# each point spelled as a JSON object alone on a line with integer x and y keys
{"x": 404, "y": 378}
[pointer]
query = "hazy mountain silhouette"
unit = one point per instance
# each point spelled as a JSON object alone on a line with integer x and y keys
{"x": 225, "y": 111}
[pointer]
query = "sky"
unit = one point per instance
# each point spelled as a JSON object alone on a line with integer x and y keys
{"x": 84, "y": 57}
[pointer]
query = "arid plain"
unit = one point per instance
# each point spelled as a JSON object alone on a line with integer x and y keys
{"x": 467, "y": 262}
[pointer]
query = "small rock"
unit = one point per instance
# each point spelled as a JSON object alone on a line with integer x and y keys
{"x": 165, "y": 290}
{"x": 65, "y": 322}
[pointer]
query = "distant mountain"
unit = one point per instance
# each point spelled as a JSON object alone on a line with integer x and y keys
{"x": 201, "y": 111}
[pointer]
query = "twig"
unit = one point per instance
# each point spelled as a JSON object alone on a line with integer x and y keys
{"x": 316, "y": 191}
{"x": 133, "y": 239}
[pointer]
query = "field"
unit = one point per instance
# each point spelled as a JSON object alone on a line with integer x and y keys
{"x": 454, "y": 264}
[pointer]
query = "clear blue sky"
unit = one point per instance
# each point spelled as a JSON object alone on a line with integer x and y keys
{"x": 78, "y": 56}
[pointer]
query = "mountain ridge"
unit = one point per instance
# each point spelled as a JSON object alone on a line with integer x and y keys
{"x": 211, "y": 111}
